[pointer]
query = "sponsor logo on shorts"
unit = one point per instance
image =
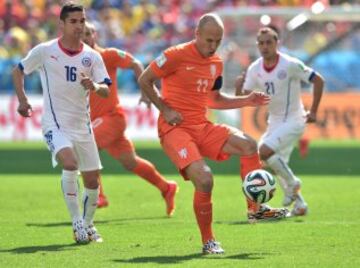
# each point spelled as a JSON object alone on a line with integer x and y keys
{"x": 49, "y": 140}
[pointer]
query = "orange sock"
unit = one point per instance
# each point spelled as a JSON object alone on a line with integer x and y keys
{"x": 148, "y": 172}
{"x": 249, "y": 163}
{"x": 101, "y": 189}
{"x": 203, "y": 213}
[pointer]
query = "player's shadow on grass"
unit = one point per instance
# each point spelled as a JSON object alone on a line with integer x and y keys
{"x": 100, "y": 222}
{"x": 51, "y": 224}
{"x": 232, "y": 222}
{"x": 181, "y": 259}
{"x": 35, "y": 249}
{"x": 245, "y": 222}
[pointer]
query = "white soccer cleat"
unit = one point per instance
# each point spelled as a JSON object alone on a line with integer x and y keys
{"x": 291, "y": 192}
{"x": 93, "y": 234}
{"x": 212, "y": 247}
{"x": 80, "y": 234}
{"x": 299, "y": 209}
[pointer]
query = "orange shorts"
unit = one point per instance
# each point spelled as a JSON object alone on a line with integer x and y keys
{"x": 109, "y": 131}
{"x": 187, "y": 144}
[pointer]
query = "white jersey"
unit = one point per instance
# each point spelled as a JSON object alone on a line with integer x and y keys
{"x": 282, "y": 84}
{"x": 66, "y": 104}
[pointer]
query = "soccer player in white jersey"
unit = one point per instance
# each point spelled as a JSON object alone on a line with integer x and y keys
{"x": 280, "y": 76}
{"x": 69, "y": 69}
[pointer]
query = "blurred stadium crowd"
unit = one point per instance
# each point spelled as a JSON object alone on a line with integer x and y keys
{"x": 144, "y": 28}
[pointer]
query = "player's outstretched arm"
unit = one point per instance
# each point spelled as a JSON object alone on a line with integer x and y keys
{"x": 24, "y": 107}
{"x": 138, "y": 69}
{"x": 218, "y": 100}
{"x": 239, "y": 85}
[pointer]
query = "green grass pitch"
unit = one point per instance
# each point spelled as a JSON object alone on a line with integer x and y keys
{"x": 35, "y": 230}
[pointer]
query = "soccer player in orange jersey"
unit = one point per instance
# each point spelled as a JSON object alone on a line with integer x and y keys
{"x": 109, "y": 124}
{"x": 191, "y": 78}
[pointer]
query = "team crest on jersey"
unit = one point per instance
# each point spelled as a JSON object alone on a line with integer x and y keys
{"x": 281, "y": 74}
{"x": 213, "y": 70}
{"x": 86, "y": 61}
{"x": 160, "y": 61}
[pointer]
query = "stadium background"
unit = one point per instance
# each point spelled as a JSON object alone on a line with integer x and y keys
{"x": 328, "y": 40}
{"x": 35, "y": 228}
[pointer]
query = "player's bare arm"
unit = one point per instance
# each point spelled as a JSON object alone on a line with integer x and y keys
{"x": 147, "y": 86}
{"x": 239, "y": 84}
{"x": 24, "y": 108}
{"x": 138, "y": 68}
{"x": 101, "y": 89}
{"x": 318, "y": 82}
{"x": 218, "y": 100}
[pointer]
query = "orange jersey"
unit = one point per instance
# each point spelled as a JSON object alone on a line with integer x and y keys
{"x": 186, "y": 80}
{"x": 113, "y": 59}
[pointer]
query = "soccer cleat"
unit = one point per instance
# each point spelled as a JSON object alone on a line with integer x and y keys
{"x": 169, "y": 197}
{"x": 304, "y": 147}
{"x": 299, "y": 209}
{"x": 212, "y": 247}
{"x": 93, "y": 234}
{"x": 102, "y": 201}
{"x": 266, "y": 212}
{"x": 80, "y": 234}
{"x": 291, "y": 192}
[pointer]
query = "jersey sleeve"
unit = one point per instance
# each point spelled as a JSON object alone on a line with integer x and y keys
{"x": 250, "y": 79}
{"x": 99, "y": 72}
{"x": 301, "y": 71}
{"x": 218, "y": 83}
{"x": 166, "y": 63}
{"x": 120, "y": 58}
{"x": 33, "y": 60}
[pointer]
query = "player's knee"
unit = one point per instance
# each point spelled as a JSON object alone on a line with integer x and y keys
{"x": 203, "y": 179}
{"x": 91, "y": 179}
{"x": 70, "y": 164}
{"x": 92, "y": 184}
{"x": 204, "y": 184}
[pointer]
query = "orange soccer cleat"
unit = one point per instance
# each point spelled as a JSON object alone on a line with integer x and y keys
{"x": 304, "y": 147}
{"x": 169, "y": 197}
{"x": 102, "y": 201}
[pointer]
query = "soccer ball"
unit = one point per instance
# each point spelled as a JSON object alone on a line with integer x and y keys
{"x": 259, "y": 186}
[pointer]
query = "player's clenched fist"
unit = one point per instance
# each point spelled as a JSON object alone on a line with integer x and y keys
{"x": 87, "y": 83}
{"x": 24, "y": 109}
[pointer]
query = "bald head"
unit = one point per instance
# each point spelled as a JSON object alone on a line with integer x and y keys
{"x": 89, "y": 35}
{"x": 208, "y": 34}
{"x": 210, "y": 19}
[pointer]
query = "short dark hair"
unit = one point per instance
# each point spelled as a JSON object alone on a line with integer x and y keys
{"x": 69, "y": 8}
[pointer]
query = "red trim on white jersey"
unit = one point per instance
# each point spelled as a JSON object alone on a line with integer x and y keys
{"x": 68, "y": 52}
{"x": 269, "y": 69}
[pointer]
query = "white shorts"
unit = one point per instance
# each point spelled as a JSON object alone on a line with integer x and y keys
{"x": 86, "y": 151}
{"x": 282, "y": 136}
